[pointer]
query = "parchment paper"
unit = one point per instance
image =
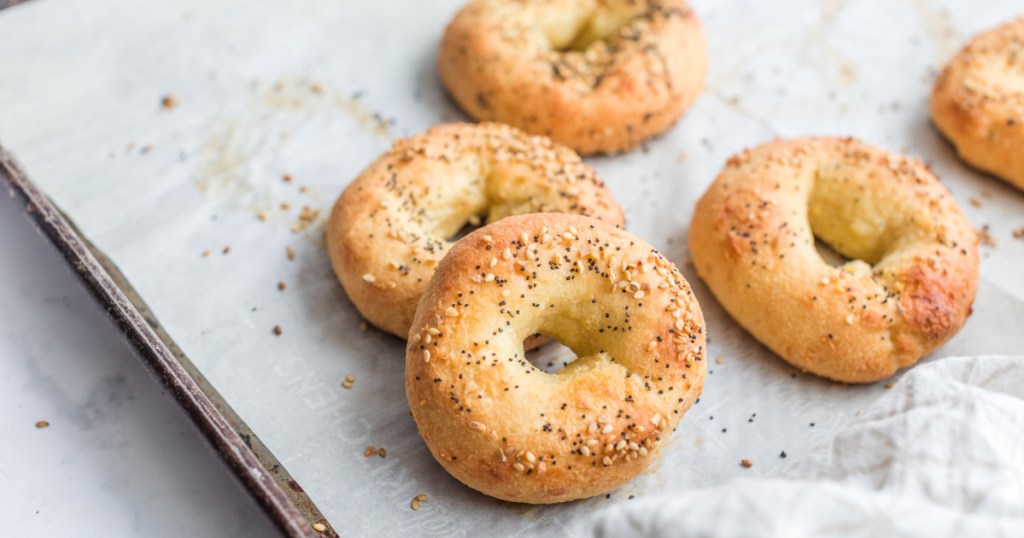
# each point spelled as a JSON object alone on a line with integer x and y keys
{"x": 315, "y": 90}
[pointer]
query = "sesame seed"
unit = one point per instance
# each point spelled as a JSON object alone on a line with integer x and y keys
{"x": 489, "y": 277}
{"x": 426, "y": 355}
{"x": 506, "y": 293}
{"x": 451, "y": 312}
{"x": 849, "y": 319}
{"x": 369, "y": 279}
{"x": 746, "y": 463}
{"x": 474, "y": 425}
{"x": 319, "y": 527}
{"x": 519, "y": 467}
{"x": 639, "y": 295}
{"x": 416, "y": 338}
{"x": 530, "y": 457}
{"x": 494, "y": 261}
{"x": 506, "y": 254}
{"x": 42, "y": 424}
{"x": 434, "y": 331}
{"x": 488, "y": 239}
{"x": 169, "y": 102}
{"x": 584, "y": 451}
{"x": 607, "y": 429}
{"x": 656, "y": 419}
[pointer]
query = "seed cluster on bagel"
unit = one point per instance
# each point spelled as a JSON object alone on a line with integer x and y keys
{"x": 597, "y": 75}
{"x": 508, "y": 429}
{"x": 391, "y": 226}
{"x": 913, "y": 258}
{"x": 978, "y": 102}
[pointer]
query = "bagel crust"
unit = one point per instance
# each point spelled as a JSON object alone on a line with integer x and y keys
{"x": 391, "y": 226}
{"x": 512, "y": 431}
{"x": 912, "y": 276}
{"x": 599, "y": 76}
{"x": 978, "y": 102}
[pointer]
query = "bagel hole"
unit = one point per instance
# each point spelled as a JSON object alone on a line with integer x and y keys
{"x": 829, "y": 254}
{"x": 551, "y": 356}
{"x": 576, "y": 31}
{"x": 472, "y": 224}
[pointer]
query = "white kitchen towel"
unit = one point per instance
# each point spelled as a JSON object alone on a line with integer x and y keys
{"x": 941, "y": 455}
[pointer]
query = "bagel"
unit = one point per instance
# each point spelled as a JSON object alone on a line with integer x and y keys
{"x": 391, "y": 226}
{"x": 913, "y": 269}
{"x": 978, "y": 102}
{"x": 599, "y": 76}
{"x": 512, "y": 431}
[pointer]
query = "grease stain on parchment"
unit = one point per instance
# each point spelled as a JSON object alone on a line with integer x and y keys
{"x": 821, "y": 53}
{"x": 938, "y": 26}
{"x": 236, "y": 160}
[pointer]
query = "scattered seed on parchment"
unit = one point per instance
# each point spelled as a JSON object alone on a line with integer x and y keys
{"x": 227, "y": 250}
{"x": 169, "y": 102}
{"x": 262, "y": 215}
{"x": 985, "y": 237}
{"x": 146, "y": 149}
{"x": 890, "y": 384}
{"x": 206, "y": 253}
{"x": 319, "y": 527}
{"x": 382, "y": 452}
{"x": 719, "y": 360}
{"x": 281, "y": 285}
{"x": 306, "y": 217}
{"x": 1018, "y": 233}
{"x": 370, "y": 451}
{"x": 976, "y": 202}
{"x": 287, "y": 178}
{"x": 290, "y": 251}
{"x": 363, "y": 326}
{"x": 415, "y": 504}
{"x": 349, "y": 381}
{"x": 317, "y": 88}
{"x": 42, "y": 424}
{"x": 286, "y": 206}
{"x": 304, "y": 189}
{"x": 278, "y": 330}
{"x": 746, "y": 463}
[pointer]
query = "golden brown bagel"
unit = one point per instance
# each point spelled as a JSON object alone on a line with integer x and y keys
{"x": 596, "y": 75}
{"x": 978, "y": 102}
{"x": 914, "y": 257}
{"x": 391, "y": 226}
{"x": 512, "y": 431}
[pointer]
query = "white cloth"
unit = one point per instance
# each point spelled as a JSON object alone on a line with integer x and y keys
{"x": 941, "y": 455}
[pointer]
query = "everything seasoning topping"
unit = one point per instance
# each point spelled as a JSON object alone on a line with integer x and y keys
{"x": 522, "y": 276}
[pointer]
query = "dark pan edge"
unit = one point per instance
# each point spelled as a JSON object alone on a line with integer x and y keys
{"x": 248, "y": 458}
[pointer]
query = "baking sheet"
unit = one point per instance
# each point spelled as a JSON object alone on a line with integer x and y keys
{"x": 316, "y": 90}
